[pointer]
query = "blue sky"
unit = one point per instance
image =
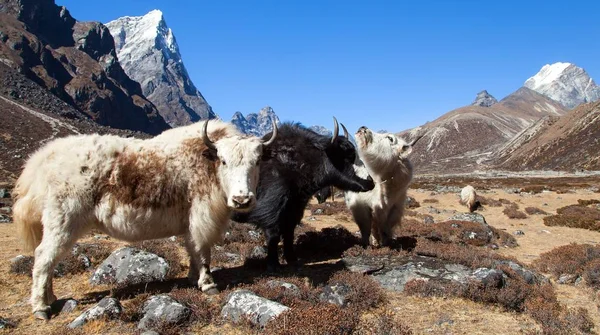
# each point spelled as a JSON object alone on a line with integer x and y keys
{"x": 385, "y": 64}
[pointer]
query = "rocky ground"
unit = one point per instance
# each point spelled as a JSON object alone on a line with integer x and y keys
{"x": 448, "y": 272}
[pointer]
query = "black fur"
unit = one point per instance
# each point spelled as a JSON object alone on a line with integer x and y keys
{"x": 323, "y": 194}
{"x": 299, "y": 163}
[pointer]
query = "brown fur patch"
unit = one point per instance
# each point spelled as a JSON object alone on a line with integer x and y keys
{"x": 205, "y": 170}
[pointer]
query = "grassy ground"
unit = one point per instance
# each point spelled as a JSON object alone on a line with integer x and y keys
{"x": 438, "y": 315}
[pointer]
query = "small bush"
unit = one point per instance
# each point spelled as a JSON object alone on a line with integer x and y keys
{"x": 204, "y": 310}
{"x": 364, "y": 292}
{"x": 431, "y": 201}
{"x": 243, "y": 232}
{"x": 466, "y": 255}
{"x": 572, "y": 259}
{"x": 132, "y": 308}
{"x": 382, "y": 323}
{"x": 513, "y": 212}
{"x": 534, "y": 211}
{"x": 591, "y": 273}
{"x": 588, "y": 202}
{"x": 575, "y": 216}
{"x": 488, "y": 201}
{"x": 322, "y": 318}
{"x": 22, "y": 265}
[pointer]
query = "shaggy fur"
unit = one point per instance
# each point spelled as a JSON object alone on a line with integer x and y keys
{"x": 377, "y": 212}
{"x": 468, "y": 198}
{"x": 301, "y": 163}
{"x": 131, "y": 189}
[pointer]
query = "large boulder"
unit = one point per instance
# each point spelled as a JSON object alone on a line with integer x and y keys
{"x": 107, "y": 307}
{"x": 244, "y": 303}
{"x": 130, "y": 266}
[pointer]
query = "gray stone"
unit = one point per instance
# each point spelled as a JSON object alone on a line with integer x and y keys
{"x": 257, "y": 309}
{"x": 519, "y": 232}
{"x": 471, "y": 217}
{"x": 335, "y": 294}
{"x": 6, "y": 210}
{"x": 5, "y": 324}
{"x": 428, "y": 220}
{"x": 312, "y": 218}
{"x": 5, "y": 218}
{"x": 4, "y": 193}
{"x": 447, "y": 189}
{"x": 411, "y": 202}
{"x": 567, "y": 278}
{"x": 491, "y": 278}
{"x": 288, "y": 288}
{"x": 529, "y": 276}
{"x": 164, "y": 310}
{"x": 513, "y": 190}
{"x": 433, "y": 210}
{"x": 131, "y": 266}
{"x": 318, "y": 211}
{"x": 258, "y": 252}
{"x": 484, "y": 99}
{"x": 254, "y": 235}
{"x": 107, "y": 307}
{"x": 69, "y": 306}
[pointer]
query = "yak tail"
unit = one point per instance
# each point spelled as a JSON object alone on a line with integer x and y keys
{"x": 27, "y": 215}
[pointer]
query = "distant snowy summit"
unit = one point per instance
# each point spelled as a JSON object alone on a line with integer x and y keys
{"x": 484, "y": 99}
{"x": 566, "y": 83}
{"x": 148, "y": 52}
{"x": 256, "y": 124}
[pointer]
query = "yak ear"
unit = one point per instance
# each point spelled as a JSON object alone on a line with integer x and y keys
{"x": 210, "y": 154}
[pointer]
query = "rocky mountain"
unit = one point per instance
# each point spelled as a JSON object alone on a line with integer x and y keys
{"x": 321, "y": 130}
{"x": 149, "y": 54}
{"x": 484, "y": 99}
{"x": 566, "y": 83}
{"x": 256, "y": 124}
{"x": 76, "y": 61}
{"x": 32, "y": 116}
{"x": 463, "y": 139}
{"x": 566, "y": 143}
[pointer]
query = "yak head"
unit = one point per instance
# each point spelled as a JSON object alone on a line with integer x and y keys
{"x": 382, "y": 150}
{"x": 238, "y": 162}
{"x": 342, "y": 155}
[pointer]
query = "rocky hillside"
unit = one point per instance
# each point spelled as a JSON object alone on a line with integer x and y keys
{"x": 32, "y": 116}
{"x": 463, "y": 139}
{"x": 76, "y": 61}
{"x": 149, "y": 54}
{"x": 566, "y": 83}
{"x": 568, "y": 143}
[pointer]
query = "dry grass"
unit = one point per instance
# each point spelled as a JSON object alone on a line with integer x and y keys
{"x": 575, "y": 216}
{"x": 513, "y": 212}
{"x": 573, "y": 259}
{"x": 431, "y": 201}
{"x": 484, "y": 201}
{"x": 383, "y": 322}
{"x": 534, "y": 210}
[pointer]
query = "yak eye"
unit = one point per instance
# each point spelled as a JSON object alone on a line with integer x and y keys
{"x": 391, "y": 139}
{"x": 223, "y": 162}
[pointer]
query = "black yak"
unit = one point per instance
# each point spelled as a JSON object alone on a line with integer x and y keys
{"x": 298, "y": 164}
{"x": 323, "y": 194}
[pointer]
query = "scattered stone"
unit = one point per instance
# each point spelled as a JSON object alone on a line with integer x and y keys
{"x": 312, "y": 218}
{"x": 172, "y": 239}
{"x": 494, "y": 246}
{"x": 411, "y": 202}
{"x": 288, "y": 288}
{"x": 428, "y": 220}
{"x": 5, "y": 218}
{"x": 5, "y": 324}
{"x": 69, "y": 306}
{"x": 6, "y": 210}
{"x": 131, "y": 266}
{"x": 107, "y": 307}
{"x": 490, "y": 278}
{"x": 318, "y": 211}
{"x": 567, "y": 278}
{"x": 545, "y": 204}
{"x": 101, "y": 237}
{"x": 545, "y": 231}
{"x": 335, "y": 294}
{"x": 254, "y": 235}
{"x": 4, "y": 193}
{"x": 433, "y": 210}
{"x": 519, "y": 232}
{"x": 513, "y": 190}
{"x": 257, "y": 309}
{"x": 447, "y": 189}
{"x": 258, "y": 252}
{"x": 162, "y": 309}
{"x": 471, "y": 217}
{"x": 529, "y": 276}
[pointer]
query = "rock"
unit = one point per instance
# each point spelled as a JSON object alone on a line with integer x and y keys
{"x": 162, "y": 309}
{"x": 428, "y": 220}
{"x": 335, "y": 294}
{"x": 6, "y": 210}
{"x": 312, "y": 218}
{"x": 519, "y": 232}
{"x": 493, "y": 246}
{"x": 4, "y": 193}
{"x": 471, "y": 217}
{"x": 484, "y": 99}
{"x": 433, "y": 210}
{"x": 490, "y": 278}
{"x": 288, "y": 288}
{"x": 411, "y": 202}
{"x": 567, "y": 278}
{"x": 4, "y": 218}
{"x": 258, "y": 252}
{"x": 254, "y": 235}
{"x": 130, "y": 266}
{"x": 545, "y": 231}
{"x": 447, "y": 189}
{"x": 257, "y": 309}
{"x": 5, "y": 324}
{"x": 529, "y": 276}
{"x": 318, "y": 211}
{"x": 513, "y": 190}
{"x": 107, "y": 307}
{"x": 69, "y": 306}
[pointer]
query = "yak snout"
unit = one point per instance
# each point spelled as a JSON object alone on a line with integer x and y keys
{"x": 243, "y": 202}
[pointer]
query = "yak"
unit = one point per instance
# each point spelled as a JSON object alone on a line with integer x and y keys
{"x": 180, "y": 182}
{"x": 323, "y": 194}
{"x": 297, "y": 165}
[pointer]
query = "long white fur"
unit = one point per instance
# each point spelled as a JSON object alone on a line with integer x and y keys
{"x": 468, "y": 197}
{"x": 55, "y": 195}
{"x": 385, "y": 158}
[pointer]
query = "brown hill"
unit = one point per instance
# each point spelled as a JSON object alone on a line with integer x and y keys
{"x": 568, "y": 143}
{"x": 76, "y": 61}
{"x": 31, "y": 116}
{"x": 463, "y": 139}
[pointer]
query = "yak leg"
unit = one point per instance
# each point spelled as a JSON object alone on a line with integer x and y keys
{"x": 387, "y": 227}
{"x": 288, "y": 246}
{"x": 193, "y": 272}
{"x": 55, "y": 243}
{"x": 362, "y": 216}
{"x": 273, "y": 236}
{"x": 378, "y": 229}
{"x": 199, "y": 272}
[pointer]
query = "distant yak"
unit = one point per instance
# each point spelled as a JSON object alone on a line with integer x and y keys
{"x": 384, "y": 157}
{"x": 298, "y": 164}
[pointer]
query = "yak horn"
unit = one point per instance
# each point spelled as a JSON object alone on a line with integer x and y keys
{"x": 205, "y": 138}
{"x": 273, "y": 136}
{"x": 345, "y": 131}
{"x": 336, "y": 130}
{"x": 416, "y": 139}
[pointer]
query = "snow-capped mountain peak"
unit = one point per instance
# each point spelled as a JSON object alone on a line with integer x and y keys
{"x": 566, "y": 83}
{"x": 149, "y": 54}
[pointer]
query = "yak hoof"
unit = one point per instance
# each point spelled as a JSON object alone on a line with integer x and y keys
{"x": 41, "y": 315}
